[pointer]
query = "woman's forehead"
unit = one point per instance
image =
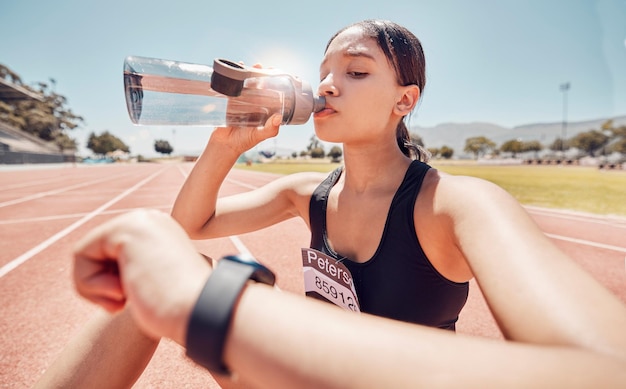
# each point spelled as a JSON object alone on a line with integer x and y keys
{"x": 353, "y": 42}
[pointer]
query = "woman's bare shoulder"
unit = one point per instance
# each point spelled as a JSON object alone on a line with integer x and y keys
{"x": 302, "y": 183}
{"x": 454, "y": 192}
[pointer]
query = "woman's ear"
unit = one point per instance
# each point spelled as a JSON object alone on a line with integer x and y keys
{"x": 408, "y": 99}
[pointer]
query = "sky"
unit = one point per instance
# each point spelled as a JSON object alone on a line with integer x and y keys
{"x": 496, "y": 61}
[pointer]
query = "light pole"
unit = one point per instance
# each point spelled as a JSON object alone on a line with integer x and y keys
{"x": 173, "y": 139}
{"x": 564, "y": 88}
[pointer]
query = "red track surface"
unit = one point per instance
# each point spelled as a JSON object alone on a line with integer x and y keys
{"x": 44, "y": 210}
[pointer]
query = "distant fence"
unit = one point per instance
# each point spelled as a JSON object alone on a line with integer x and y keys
{"x": 616, "y": 165}
{"x": 20, "y": 157}
{"x": 553, "y": 161}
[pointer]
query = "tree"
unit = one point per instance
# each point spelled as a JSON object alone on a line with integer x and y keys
{"x": 513, "y": 146}
{"x": 105, "y": 143}
{"x": 617, "y": 137}
{"x": 590, "y": 141}
{"x": 315, "y": 148}
{"x": 335, "y": 153}
{"x": 47, "y": 118}
{"x": 478, "y": 145}
{"x": 9, "y": 75}
{"x": 64, "y": 142}
{"x": 619, "y": 146}
{"x": 314, "y": 143}
{"x": 607, "y": 125}
{"x": 559, "y": 144}
{"x": 618, "y": 132}
{"x": 317, "y": 152}
{"x": 446, "y": 152}
{"x": 533, "y": 145}
{"x": 162, "y": 146}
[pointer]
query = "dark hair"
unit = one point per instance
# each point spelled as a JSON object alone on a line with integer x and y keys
{"x": 404, "y": 52}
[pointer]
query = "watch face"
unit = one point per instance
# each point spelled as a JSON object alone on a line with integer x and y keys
{"x": 246, "y": 259}
{"x": 260, "y": 273}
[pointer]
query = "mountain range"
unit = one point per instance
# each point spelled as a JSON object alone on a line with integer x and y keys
{"x": 454, "y": 135}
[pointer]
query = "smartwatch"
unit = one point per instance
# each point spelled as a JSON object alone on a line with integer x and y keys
{"x": 211, "y": 316}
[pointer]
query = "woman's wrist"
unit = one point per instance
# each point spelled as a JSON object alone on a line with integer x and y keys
{"x": 180, "y": 320}
{"x": 210, "y": 319}
{"x": 223, "y": 141}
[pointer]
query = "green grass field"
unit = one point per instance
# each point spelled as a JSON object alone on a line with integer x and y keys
{"x": 584, "y": 189}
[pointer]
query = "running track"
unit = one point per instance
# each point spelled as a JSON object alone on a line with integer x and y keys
{"x": 44, "y": 210}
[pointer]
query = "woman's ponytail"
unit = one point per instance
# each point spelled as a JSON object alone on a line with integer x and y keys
{"x": 410, "y": 149}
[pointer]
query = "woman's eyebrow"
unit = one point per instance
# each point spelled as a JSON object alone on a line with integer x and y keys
{"x": 352, "y": 52}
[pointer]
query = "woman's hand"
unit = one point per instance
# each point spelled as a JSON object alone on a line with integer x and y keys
{"x": 242, "y": 139}
{"x": 145, "y": 260}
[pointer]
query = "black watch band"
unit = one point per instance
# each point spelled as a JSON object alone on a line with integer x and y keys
{"x": 212, "y": 314}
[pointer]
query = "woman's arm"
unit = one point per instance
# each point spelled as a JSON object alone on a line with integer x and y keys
{"x": 203, "y": 215}
{"x": 536, "y": 293}
{"x": 283, "y": 340}
{"x": 109, "y": 352}
{"x": 196, "y": 201}
{"x": 298, "y": 343}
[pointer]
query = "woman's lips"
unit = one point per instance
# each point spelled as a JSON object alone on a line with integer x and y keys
{"x": 328, "y": 110}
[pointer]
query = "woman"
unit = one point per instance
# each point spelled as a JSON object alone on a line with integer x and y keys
{"x": 405, "y": 264}
{"x": 421, "y": 224}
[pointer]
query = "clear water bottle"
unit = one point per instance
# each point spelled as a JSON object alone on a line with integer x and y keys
{"x": 164, "y": 92}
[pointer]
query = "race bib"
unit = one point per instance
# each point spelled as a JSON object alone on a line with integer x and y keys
{"x": 327, "y": 279}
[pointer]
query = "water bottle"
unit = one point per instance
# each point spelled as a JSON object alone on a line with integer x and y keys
{"x": 164, "y": 92}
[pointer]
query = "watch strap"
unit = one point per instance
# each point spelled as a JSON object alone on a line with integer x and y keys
{"x": 211, "y": 316}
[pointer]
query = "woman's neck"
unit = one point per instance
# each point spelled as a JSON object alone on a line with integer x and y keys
{"x": 373, "y": 168}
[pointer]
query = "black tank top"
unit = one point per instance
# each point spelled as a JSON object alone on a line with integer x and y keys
{"x": 398, "y": 282}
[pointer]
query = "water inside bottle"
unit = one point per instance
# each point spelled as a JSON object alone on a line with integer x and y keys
{"x": 160, "y": 100}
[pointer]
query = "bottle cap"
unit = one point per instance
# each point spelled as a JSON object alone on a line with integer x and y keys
{"x": 228, "y": 77}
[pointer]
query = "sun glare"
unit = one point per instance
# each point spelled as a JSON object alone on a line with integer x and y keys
{"x": 286, "y": 60}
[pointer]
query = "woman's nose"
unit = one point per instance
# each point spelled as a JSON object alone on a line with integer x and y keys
{"x": 327, "y": 87}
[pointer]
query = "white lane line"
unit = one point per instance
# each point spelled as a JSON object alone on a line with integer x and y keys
{"x": 4, "y": 270}
{"x": 241, "y": 184}
{"x": 73, "y": 215}
{"x": 588, "y": 243}
{"x": 53, "y": 192}
{"x": 239, "y": 246}
{"x": 27, "y": 184}
{"x": 612, "y": 220}
{"x": 182, "y": 171}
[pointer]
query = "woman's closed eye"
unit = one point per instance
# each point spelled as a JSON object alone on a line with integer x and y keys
{"x": 357, "y": 74}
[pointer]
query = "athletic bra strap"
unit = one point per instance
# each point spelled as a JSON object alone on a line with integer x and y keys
{"x": 317, "y": 208}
